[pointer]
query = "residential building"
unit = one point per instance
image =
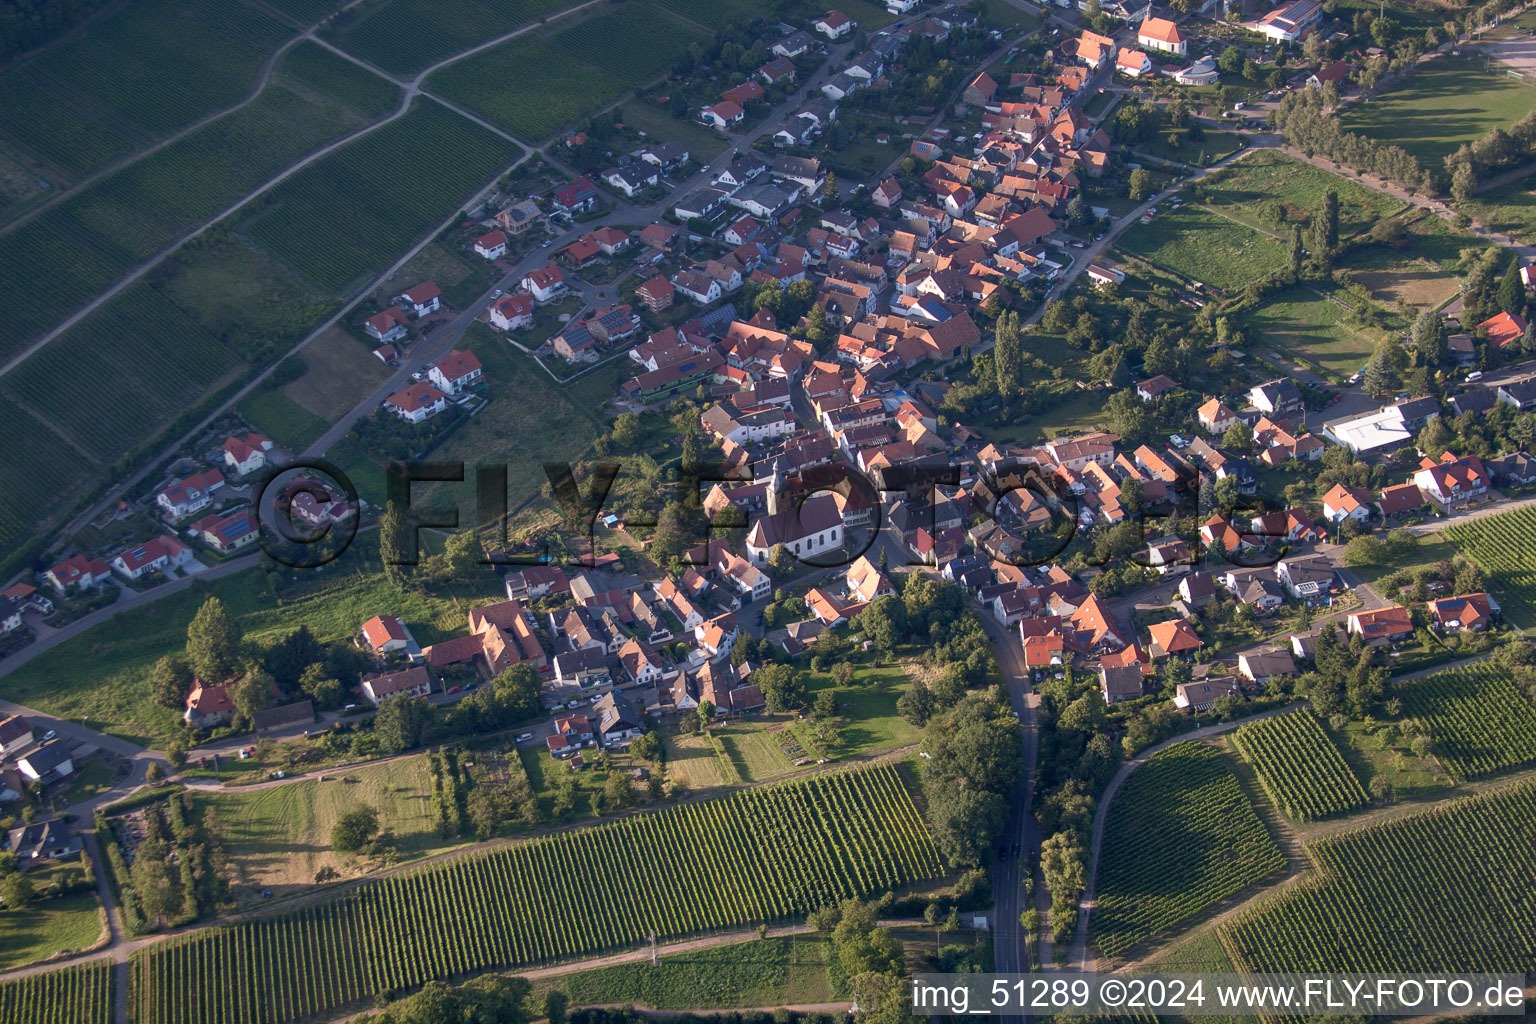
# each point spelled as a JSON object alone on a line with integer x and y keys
{"x": 834, "y": 25}
{"x": 1475, "y": 612}
{"x": 1452, "y": 479}
{"x": 423, "y": 299}
{"x": 1382, "y": 625}
{"x": 208, "y": 705}
{"x": 248, "y": 454}
{"x": 512, "y": 312}
{"x": 47, "y": 763}
{"x": 159, "y": 554}
{"x": 416, "y": 403}
{"x": 492, "y": 245}
{"x": 227, "y": 534}
{"x": 410, "y": 682}
{"x": 455, "y": 372}
{"x": 190, "y": 494}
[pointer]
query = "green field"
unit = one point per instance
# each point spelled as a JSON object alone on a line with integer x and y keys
{"x": 766, "y": 972}
{"x": 77, "y": 248}
{"x": 1263, "y": 175}
{"x": 1477, "y": 717}
{"x": 1504, "y": 547}
{"x": 1446, "y": 102}
{"x": 436, "y": 29}
{"x": 67, "y": 922}
{"x": 1299, "y": 766}
{"x": 72, "y": 995}
{"x": 280, "y": 837}
{"x": 350, "y": 214}
{"x": 1180, "y": 837}
{"x": 1449, "y": 886}
{"x": 528, "y": 422}
{"x": 150, "y": 68}
{"x": 99, "y": 677}
{"x": 527, "y": 87}
{"x": 281, "y": 418}
{"x": 760, "y": 855}
{"x": 1205, "y": 246}
{"x": 1307, "y": 324}
{"x": 704, "y": 144}
{"x": 1213, "y": 148}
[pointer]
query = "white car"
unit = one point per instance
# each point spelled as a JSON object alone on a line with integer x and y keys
{"x": 1475, "y": 375}
{"x": 524, "y": 737}
{"x": 50, "y": 734}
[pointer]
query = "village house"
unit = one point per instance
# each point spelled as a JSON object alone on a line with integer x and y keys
{"x": 1452, "y": 479}
{"x": 226, "y": 534}
{"x": 1382, "y": 625}
{"x": 1475, "y": 612}
{"x": 385, "y": 634}
{"x": 248, "y": 454}
{"x": 455, "y": 372}
{"x": 159, "y": 554}
{"x": 421, "y": 300}
{"x": 512, "y": 312}
{"x": 545, "y": 284}
{"x": 1202, "y": 695}
{"x": 53, "y": 839}
{"x": 416, "y": 403}
{"x": 410, "y": 682}
{"x": 389, "y": 324}
{"x": 78, "y": 572}
{"x": 208, "y": 705}
{"x": 492, "y": 245}
{"x": 190, "y": 494}
{"x": 47, "y": 763}
{"x": 834, "y": 25}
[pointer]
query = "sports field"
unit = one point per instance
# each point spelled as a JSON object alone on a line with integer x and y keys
{"x": 1445, "y": 103}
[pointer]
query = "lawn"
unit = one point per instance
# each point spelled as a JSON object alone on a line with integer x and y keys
{"x": 1203, "y": 245}
{"x": 279, "y": 837}
{"x": 766, "y": 972}
{"x": 1447, "y": 102}
{"x": 1305, "y": 323}
{"x": 339, "y": 373}
{"x": 866, "y": 708}
{"x": 528, "y": 422}
{"x": 282, "y": 419}
{"x": 691, "y": 761}
{"x": 68, "y": 922}
{"x": 1509, "y": 209}
{"x": 1237, "y": 189}
{"x": 99, "y": 677}
{"x": 1082, "y": 412}
{"x": 703, "y": 143}
{"x": 1214, "y": 147}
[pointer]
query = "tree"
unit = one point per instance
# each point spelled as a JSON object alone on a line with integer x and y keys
{"x": 16, "y": 890}
{"x": 252, "y": 693}
{"x": 648, "y": 747}
{"x": 1127, "y": 415}
{"x": 354, "y": 829}
{"x": 1007, "y": 355}
{"x": 1238, "y": 438}
{"x": 392, "y": 537}
{"x": 1330, "y": 221}
{"x": 618, "y": 791}
{"x": 1463, "y": 182}
{"x": 829, "y": 190}
{"x": 555, "y": 1003}
{"x": 1140, "y": 184}
{"x": 1511, "y": 294}
{"x": 153, "y": 887}
{"x": 169, "y": 682}
{"x": 916, "y": 704}
{"x": 825, "y": 704}
{"x": 1429, "y": 339}
{"x": 402, "y": 723}
{"x": 706, "y": 712}
{"x": 1231, "y": 60}
{"x": 1297, "y": 250}
{"x": 842, "y": 673}
{"x": 213, "y": 642}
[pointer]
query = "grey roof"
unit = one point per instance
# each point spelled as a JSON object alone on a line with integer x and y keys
{"x": 1474, "y": 399}
{"x": 284, "y": 715}
{"x": 47, "y": 757}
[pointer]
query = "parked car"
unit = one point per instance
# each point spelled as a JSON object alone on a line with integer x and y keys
{"x": 50, "y": 734}
{"x": 524, "y": 737}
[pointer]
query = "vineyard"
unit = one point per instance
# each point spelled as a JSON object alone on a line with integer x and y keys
{"x": 71, "y": 995}
{"x": 526, "y": 86}
{"x": 1180, "y": 837}
{"x": 1504, "y": 547}
{"x": 1300, "y": 767}
{"x": 37, "y": 472}
{"x": 312, "y": 65}
{"x": 759, "y": 855}
{"x": 635, "y": 41}
{"x": 151, "y": 68}
{"x": 1453, "y": 885}
{"x": 74, "y": 250}
{"x": 436, "y": 29}
{"x": 1476, "y": 716}
{"x": 354, "y": 211}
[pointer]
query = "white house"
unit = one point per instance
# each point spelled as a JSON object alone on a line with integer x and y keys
{"x": 157, "y": 554}
{"x": 248, "y": 454}
{"x": 834, "y": 25}
{"x": 190, "y": 494}
{"x": 416, "y": 403}
{"x": 492, "y": 245}
{"x": 411, "y": 682}
{"x": 425, "y": 298}
{"x": 1452, "y": 479}
{"x": 544, "y": 284}
{"x": 722, "y": 115}
{"x": 1216, "y": 417}
{"x": 1341, "y": 503}
{"x": 512, "y": 312}
{"x": 455, "y": 372}
{"x": 46, "y": 763}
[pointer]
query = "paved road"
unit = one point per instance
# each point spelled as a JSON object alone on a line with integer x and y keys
{"x": 1010, "y": 943}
